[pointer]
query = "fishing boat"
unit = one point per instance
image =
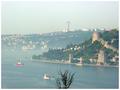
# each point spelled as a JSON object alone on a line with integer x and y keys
{"x": 46, "y": 77}
{"x": 19, "y": 63}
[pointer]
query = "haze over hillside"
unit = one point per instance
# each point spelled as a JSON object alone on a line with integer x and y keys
{"x": 48, "y": 40}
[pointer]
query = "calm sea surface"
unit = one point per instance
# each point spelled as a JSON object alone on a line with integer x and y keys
{"x": 31, "y": 74}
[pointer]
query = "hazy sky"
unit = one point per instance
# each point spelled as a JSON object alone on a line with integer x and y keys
{"x": 26, "y": 17}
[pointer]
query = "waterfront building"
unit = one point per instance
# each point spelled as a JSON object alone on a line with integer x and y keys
{"x": 115, "y": 59}
{"x": 81, "y": 60}
{"x": 91, "y": 60}
{"x": 80, "y": 63}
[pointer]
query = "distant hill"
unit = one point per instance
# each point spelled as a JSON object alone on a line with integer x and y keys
{"x": 47, "y": 40}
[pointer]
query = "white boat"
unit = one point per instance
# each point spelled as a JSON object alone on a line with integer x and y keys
{"x": 19, "y": 63}
{"x": 46, "y": 77}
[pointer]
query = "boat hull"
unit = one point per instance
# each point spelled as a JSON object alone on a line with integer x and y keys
{"x": 19, "y": 65}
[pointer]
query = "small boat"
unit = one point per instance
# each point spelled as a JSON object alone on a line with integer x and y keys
{"x": 19, "y": 63}
{"x": 46, "y": 77}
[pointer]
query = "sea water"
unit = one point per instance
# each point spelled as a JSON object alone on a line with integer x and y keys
{"x": 31, "y": 74}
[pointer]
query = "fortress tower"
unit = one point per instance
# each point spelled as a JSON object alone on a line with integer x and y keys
{"x": 101, "y": 57}
{"x": 70, "y": 58}
{"x": 95, "y": 36}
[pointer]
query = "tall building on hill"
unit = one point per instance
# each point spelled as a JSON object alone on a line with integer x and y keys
{"x": 101, "y": 57}
{"x": 95, "y": 36}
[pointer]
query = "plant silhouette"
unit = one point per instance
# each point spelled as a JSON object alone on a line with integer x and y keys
{"x": 65, "y": 80}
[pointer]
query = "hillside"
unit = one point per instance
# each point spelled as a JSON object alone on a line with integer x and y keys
{"x": 87, "y": 50}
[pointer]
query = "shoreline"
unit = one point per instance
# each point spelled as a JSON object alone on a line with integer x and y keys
{"x": 58, "y": 62}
